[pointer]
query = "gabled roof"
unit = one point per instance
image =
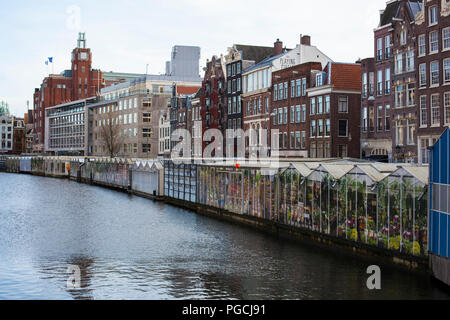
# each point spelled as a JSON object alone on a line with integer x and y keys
{"x": 367, "y": 173}
{"x": 420, "y": 173}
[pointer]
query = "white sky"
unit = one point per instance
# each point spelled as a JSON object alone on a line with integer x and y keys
{"x": 126, "y": 35}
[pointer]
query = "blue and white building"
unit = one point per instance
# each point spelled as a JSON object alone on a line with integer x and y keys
{"x": 439, "y": 212}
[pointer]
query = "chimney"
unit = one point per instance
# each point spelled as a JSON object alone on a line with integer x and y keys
{"x": 278, "y": 47}
{"x": 305, "y": 40}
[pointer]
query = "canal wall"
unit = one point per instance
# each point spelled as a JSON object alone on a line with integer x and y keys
{"x": 380, "y": 256}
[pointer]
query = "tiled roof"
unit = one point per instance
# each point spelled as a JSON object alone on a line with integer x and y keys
{"x": 186, "y": 90}
{"x": 346, "y": 76}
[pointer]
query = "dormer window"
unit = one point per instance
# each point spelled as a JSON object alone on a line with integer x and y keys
{"x": 319, "y": 81}
{"x": 433, "y": 15}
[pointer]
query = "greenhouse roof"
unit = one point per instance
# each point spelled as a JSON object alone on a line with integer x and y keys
{"x": 337, "y": 171}
{"x": 302, "y": 168}
{"x": 365, "y": 172}
{"x": 420, "y": 173}
{"x": 385, "y": 167}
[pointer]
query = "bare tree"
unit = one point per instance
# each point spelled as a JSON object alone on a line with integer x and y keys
{"x": 112, "y": 135}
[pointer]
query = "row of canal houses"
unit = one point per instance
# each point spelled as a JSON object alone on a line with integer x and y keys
{"x": 390, "y": 107}
{"x": 399, "y": 208}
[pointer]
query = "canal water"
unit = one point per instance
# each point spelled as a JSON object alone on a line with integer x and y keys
{"x": 133, "y": 248}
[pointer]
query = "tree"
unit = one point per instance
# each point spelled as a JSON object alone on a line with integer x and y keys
{"x": 112, "y": 135}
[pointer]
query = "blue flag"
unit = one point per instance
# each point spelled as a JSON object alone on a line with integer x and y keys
{"x": 50, "y": 59}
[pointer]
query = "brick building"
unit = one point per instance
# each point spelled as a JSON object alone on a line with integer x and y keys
{"x": 404, "y": 112}
{"x": 71, "y": 85}
{"x": 213, "y": 99}
{"x": 238, "y": 59}
{"x": 289, "y": 109}
{"x": 334, "y": 111}
{"x": 257, "y": 89}
{"x": 432, "y": 30}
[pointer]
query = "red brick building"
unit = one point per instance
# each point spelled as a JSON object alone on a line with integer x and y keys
{"x": 289, "y": 108}
{"x": 432, "y": 31}
{"x": 213, "y": 98}
{"x": 78, "y": 83}
{"x": 335, "y": 111}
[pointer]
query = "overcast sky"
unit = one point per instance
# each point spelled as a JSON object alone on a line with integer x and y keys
{"x": 125, "y": 35}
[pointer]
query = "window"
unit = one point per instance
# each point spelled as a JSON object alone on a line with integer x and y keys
{"x": 387, "y": 45}
{"x": 379, "y": 49}
{"x": 299, "y": 87}
{"x": 297, "y": 114}
{"x": 446, "y": 39}
{"x": 380, "y": 118}
{"x": 313, "y": 129}
{"x": 319, "y": 80}
{"x": 327, "y": 127}
{"x": 304, "y": 113}
{"x": 410, "y": 95}
{"x": 304, "y": 86}
{"x": 447, "y": 108}
{"x": 380, "y": 82}
{"x": 146, "y": 132}
{"x": 423, "y": 111}
{"x": 280, "y": 91}
{"x": 410, "y": 61}
{"x": 364, "y": 120}
{"x": 327, "y": 104}
{"x": 410, "y": 132}
{"x": 275, "y": 117}
{"x": 403, "y": 37}
{"x": 435, "y": 110}
{"x": 434, "y": 73}
{"x": 146, "y": 117}
{"x": 446, "y": 70}
{"x": 371, "y": 119}
{"x": 364, "y": 88}
{"x": 398, "y": 63}
{"x": 319, "y": 105}
{"x": 399, "y": 96}
{"x": 434, "y": 42}
{"x": 280, "y": 115}
{"x": 387, "y": 115}
{"x": 343, "y": 128}
{"x": 320, "y": 126}
{"x": 343, "y": 104}
{"x": 297, "y": 140}
{"x": 313, "y": 105}
{"x": 286, "y": 90}
{"x": 422, "y": 45}
{"x": 387, "y": 81}
{"x": 292, "y": 140}
{"x": 303, "y": 145}
{"x": 342, "y": 150}
{"x": 422, "y": 75}
{"x": 433, "y": 15}
{"x": 399, "y": 133}
{"x": 312, "y": 150}
{"x": 293, "y": 89}
{"x": 285, "y": 115}
{"x": 146, "y": 147}
{"x": 292, "y": 114}
{"x": 275, "y": 92}
{"x": 266, "y": 105}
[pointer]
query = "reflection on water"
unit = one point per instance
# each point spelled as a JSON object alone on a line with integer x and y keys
{"x": 132, "y": 248}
